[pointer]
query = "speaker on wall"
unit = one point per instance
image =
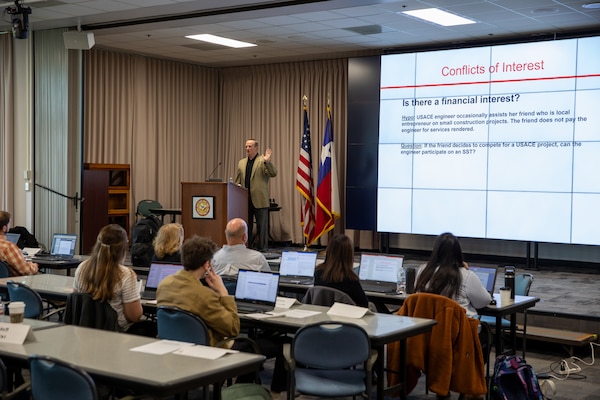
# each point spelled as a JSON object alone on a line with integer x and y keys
{"x": 78, "y": 40}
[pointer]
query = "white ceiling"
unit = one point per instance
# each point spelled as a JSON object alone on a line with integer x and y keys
{"x": 301, "y": 30}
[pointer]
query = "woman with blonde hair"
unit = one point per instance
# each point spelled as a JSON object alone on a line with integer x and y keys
{"x": 105, "y": 278}
{"x": 167, "y": 243}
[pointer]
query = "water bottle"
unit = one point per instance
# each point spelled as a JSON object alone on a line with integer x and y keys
{"x": 509, "y": 280}
{"x": 401, "y": 281}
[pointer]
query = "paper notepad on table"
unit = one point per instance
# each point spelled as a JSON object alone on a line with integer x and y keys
{"x": 285, "y": 302}
{"x": 206, "y": 352}
{"x": 348, "y": 311}
{"x": 161, "y": 347}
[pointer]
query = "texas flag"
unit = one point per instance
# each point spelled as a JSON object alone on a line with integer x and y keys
{"x": 328, "y": 193}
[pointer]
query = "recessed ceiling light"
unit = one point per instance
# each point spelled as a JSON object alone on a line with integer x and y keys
{"x": 544, "y": 11}
{"x": 591, "y": 6}
{"x": 221, "y": 40}
{"x": 439, "y": 17}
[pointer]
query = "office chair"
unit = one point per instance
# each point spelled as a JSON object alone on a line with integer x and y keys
{"x": 184, "y": 326}
{"x": 177, "y": 324}
{"x": 34, "y": 306}
{"x": 52, "y": 379}
{"x": 144, "y": 207}
{"x": 4, "y": 273}
{"x": 320, "y": 363}
{"x": 4, "y": 270}
{"x": 326, "y": 296}
{"x": 5, "y": 384}
{"x": 83, "y": 310}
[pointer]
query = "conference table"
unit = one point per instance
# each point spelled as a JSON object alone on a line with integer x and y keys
{"x": 109, "y": 359}
{"x": 45, "y": 264}
{"x": 49, "y": 286}
{"x": 387, "y": 298}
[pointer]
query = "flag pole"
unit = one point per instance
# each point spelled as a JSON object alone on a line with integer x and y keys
{"x": 304, "y": 181}
{"x": 305, "y": 107}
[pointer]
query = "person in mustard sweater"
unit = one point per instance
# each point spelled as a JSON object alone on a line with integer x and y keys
{"x": 212, "y": 303}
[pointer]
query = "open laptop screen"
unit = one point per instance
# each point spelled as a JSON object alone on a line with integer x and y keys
{"x": 487, "y": 276}
{"x": 257, "y": 287}
{"x": 159, "y": 271}
{"x": 379, "y": 267}
{"x": 298, "y": 263}
{"x": 13, "y": 237}
{"x": 63, "y": 244}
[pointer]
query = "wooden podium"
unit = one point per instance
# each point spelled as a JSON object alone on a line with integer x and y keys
{"x": 206, "y": 207}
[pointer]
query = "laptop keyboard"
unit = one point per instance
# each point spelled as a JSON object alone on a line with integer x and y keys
{"x": 378, "y": 288}
{"x": 247, "y": 310}
{"x": 43, "y": 257}
{"x": 148, "y": 295}
{"x": 296, "y": 280}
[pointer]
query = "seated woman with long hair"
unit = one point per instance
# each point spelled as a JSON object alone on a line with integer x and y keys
{"x": 105, "y": 278}
{"x": 167, "y": 243}
{"x": 337, "y": 271}
{"x": 447, "y": 274}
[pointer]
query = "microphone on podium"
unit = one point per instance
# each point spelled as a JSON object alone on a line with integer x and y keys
{"x": 210, "y": 178}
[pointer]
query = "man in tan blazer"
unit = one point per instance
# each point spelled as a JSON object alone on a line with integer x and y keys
{"x": 253, "y": 173}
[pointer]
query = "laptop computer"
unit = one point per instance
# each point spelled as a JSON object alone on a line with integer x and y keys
{"x": 13, "y": 237}
{"x": 297, "y": 267}
{"x": 255, "y": 291}
{"x": 487, "y": 276}
{"x": 379, "y": 272}
{"x": 62, "y": 249}
{"x": 157, "y": 272}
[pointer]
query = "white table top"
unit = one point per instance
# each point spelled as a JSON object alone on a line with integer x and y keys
{"x": 107, "y": 357}
{"x": 381, "y": 328}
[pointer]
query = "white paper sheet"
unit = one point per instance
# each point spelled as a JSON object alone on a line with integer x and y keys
{"x": 285, "y": 302}
{"x": 206, "y": 352}
{"x": 161, "y": 347}
{"x": 347, "y": 310}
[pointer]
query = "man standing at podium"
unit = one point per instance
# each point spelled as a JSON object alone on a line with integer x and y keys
{"x": 253, "y": 173}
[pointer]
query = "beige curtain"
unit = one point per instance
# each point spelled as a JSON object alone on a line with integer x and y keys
{"x": 158, "y": 116}
{"x": 6, "y": 122}
{"x": 57, "y": 153}
{"x": 175, "y": 122}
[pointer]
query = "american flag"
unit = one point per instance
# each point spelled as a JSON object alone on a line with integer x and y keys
{"x": 304, "y": 184}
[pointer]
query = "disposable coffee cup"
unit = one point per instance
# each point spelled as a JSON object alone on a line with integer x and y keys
{"x": 505, "y": 296}
{"x": 16, "y": 309}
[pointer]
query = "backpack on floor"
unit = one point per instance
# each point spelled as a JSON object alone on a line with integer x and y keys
{"x": 144, "y": 232}
{"x": 514, "y": 379}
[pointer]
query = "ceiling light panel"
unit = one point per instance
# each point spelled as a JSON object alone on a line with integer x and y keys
{"x": 439, "y": 17}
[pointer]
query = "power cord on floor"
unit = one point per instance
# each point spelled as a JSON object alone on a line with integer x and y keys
{"x": 567, "y": 368}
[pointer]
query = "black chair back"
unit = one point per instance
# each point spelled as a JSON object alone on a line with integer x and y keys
{"x": 83, "y": 310}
